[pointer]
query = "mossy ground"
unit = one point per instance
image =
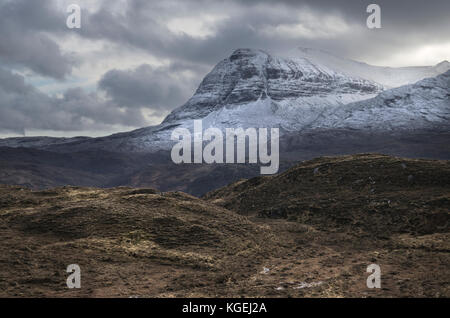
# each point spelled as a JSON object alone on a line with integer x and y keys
{"x": 315, "y": 228}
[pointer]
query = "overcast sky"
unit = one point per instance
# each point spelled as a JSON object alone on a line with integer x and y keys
{"x": 134, "y": 61}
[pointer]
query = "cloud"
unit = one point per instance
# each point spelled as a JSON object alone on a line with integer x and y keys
{"x": 23, "y": 107}
{"x": 25, "y": 43}
{"x": 129, "y": 98}
{"x": 146, "y": 86}
{"x": 203, "y": 32}
{"x": 275, "y": 26}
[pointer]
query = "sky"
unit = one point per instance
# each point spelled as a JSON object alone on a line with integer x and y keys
{"x": 134, "y": 61}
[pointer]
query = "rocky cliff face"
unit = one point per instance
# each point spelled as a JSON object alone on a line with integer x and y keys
{"x": 248, "y": 76}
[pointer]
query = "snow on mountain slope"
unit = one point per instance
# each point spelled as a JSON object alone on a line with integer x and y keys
{"x": 249, "y": 89}
{"x": 252, "y": 76}
{"x": 252, "y": 88}
{"x": 389, "y": 77}
{"x": 423, "y": 105}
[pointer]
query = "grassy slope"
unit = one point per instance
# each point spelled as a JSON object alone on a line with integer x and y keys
{"x": 316, "y": 227}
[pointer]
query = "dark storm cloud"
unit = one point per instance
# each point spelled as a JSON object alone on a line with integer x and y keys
{"x": 405, "y": 23}
{"x": 25, "y": 24}
{"x": 156, "y": 88}
{"x": 23, "y": 107}
{"x": 24, "y": 29}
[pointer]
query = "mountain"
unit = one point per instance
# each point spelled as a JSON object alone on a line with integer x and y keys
{"x": 311, "y": 89}
{"x": 314, "y": 90}
{"x": 389, "y": 77}
{"x": 423, "y": 105}
{"x": 253, "y": 79}
{"x": 320, "y": 108}
{"x": 248, "y": 89}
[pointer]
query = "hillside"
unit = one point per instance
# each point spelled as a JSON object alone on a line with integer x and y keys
{"x": 386, "y": 76}
{"x": 374, "y": 194}
{"x": 126, "y": 241}
{"x": 308, "y": 232}
{"x": 422, "y": 105}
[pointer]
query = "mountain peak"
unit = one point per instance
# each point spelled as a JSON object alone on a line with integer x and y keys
{"x": 244, "y": 53}
{"x": 254, "y": 79}
{"x": 443, "y": 66}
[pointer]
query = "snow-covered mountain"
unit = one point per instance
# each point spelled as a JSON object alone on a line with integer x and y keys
{"x": 389, "y": 77}
{"x": 254, "y": 77}
{"x": 423, "y": 105}
{"x": 250, "y": 88}
{"x": 313, "y": 89}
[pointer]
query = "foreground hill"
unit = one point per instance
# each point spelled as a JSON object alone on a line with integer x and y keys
{"x": 127, "y": 242}
{"x": 373, "y": 193}
{"x": 309, "y": 232}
